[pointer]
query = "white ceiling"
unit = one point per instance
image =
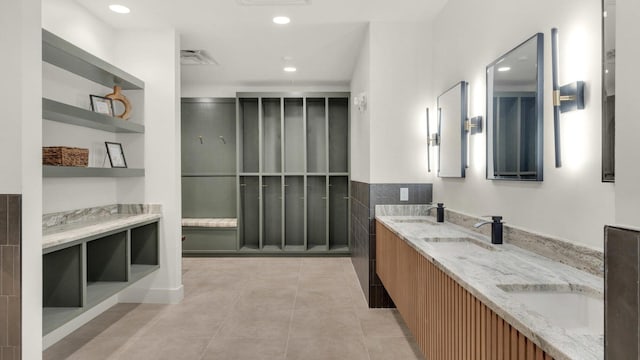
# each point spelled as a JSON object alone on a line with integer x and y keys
{"x": 324, "y": 38}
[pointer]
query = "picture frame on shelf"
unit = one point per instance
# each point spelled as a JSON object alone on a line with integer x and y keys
{"x": 102, "y": 105}
{"x": 116, "y": 155}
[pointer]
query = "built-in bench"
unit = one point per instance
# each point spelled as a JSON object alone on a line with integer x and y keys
{"x": 210, "y": 222}
{"x": 204, "y": 235}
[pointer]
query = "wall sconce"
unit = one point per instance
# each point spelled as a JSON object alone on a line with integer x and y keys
{"x": 360, "y": 102}
{"x": 565, "y": 98}
{"x": 474, "y": 125}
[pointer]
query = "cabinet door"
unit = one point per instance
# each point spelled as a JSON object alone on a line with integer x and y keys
{"x": 209, "y": 137}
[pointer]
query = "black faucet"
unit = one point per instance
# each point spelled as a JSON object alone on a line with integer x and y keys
{"x": 439, "y": 212}
{"x": 496, "y": 228}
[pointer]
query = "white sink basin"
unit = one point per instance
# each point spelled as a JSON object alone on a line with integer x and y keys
{"x": 576, "y": 308}
{"x": 416, "y": 221}
{"x": 459, "y": 243}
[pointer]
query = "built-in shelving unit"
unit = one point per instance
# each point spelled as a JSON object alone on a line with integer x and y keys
{"x": 81, "y": 274}
{"x": 289, "y": 174}
{"x": 64, "y": 55}
{"x": 293, "y": 183}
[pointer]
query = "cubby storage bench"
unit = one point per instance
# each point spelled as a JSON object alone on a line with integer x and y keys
{"x": 209, "y": 234}
{"x": 87, "y": 262}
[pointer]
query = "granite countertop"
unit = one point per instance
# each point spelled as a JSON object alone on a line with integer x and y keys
{"x": 65, "y": 233}
{"x": 507, "y": 279}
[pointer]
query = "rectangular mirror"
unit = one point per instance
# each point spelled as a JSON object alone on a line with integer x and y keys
{"x": 608, "y": 90}
{"x": 515, "y": 113}
{"x": 452, "y": 114}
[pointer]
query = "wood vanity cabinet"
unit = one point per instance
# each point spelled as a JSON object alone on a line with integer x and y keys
{"x": 447, "y": 321}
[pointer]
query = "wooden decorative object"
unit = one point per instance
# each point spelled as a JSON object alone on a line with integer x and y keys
{"x": 118, "y": 96}
{"x": 65, "y": 156}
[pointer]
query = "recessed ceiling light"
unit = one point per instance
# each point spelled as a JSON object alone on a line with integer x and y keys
{"x": 281, "y": 20}
{"x": 120, "y": 9}
{"x": 290, "y": 69}
{"x": 504, "y": 68}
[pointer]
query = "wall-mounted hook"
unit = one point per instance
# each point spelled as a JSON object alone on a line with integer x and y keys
{"x": 200, "y": 138}
{"x": 222, "y": 139}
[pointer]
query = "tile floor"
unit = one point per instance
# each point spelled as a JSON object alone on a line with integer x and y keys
{"x": 249, "y": 308}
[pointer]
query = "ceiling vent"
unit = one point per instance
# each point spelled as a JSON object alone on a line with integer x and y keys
{"x": 273, "y": 2}
{"x": 196, "y": 57}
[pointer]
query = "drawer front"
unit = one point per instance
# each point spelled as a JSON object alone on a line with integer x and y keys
{"x": 209, "y": 239}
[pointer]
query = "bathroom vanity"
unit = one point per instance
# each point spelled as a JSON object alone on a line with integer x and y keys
{"x": 465, "y": 298}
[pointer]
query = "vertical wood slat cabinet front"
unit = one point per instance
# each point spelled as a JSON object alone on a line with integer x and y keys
{"x": 447, "y": 321}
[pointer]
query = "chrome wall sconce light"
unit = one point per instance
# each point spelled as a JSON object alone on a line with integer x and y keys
{"x": 474, "y": 125}
{"x": 432, "y": 140}
{"x": 566, "y": 98}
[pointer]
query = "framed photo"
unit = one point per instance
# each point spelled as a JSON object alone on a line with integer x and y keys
{"x": 116, "y": 155}
{"x": 101, "y": 105}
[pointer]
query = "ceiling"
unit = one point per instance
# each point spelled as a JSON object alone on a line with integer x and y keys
{"x": 323, "y": 39}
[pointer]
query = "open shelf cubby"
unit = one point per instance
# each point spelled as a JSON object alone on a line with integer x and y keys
{"x": 84, "y": 273}
{"x": 317, "y": 213}
{"x": 294, "y": 234}
{"x": 272, "y": 210}
{"x": 249, "y": 230}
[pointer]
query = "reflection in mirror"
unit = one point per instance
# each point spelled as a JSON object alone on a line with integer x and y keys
{"x": 515, "y": 113}
{"x": 608, "y": 89}
{"x": 452, "y": 113}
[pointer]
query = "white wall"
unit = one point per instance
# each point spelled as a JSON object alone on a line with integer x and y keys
{"x": 571, "y": 203}
{"x": 75, "y": 24}
{"x": 360, "y": 121}
{"x": 152, "y": 56}
{"x": 20, "y": 146}
{"x": 627, "y": 124}
{"x": 157, "y": 63}
{"x": 400, "y": 67}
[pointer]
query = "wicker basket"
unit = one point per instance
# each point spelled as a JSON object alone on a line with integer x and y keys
{"x": 65, "y": 156}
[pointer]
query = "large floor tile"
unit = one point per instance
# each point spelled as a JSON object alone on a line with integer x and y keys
{"x": 382, "y": 323}
{"x": 325, "y": 323}
{"x": 163, "y": 348}
{"x": 244, "y": 349}
{"x": 327, "y": 349}
{"x": 256, "y": 324}
{"x": 400, "y": 348}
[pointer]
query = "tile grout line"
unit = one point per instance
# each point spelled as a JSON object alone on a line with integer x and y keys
{"x": 293, "y": 311}
{"x": 224, "y": 321}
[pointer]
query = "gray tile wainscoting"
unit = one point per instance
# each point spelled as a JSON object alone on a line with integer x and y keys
{"x": 10, "y": 278}
{"x": 622, "y": 260}
{"x": 364, "y": 198}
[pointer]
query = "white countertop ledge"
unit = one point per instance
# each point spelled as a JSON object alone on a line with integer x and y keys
{"x": 67, "y": 233}
{"x": 481, "y": 271}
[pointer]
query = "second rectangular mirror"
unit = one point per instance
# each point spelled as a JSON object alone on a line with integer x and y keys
{"x": 515, "y": 113}
{"x": 452, "y": 114}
